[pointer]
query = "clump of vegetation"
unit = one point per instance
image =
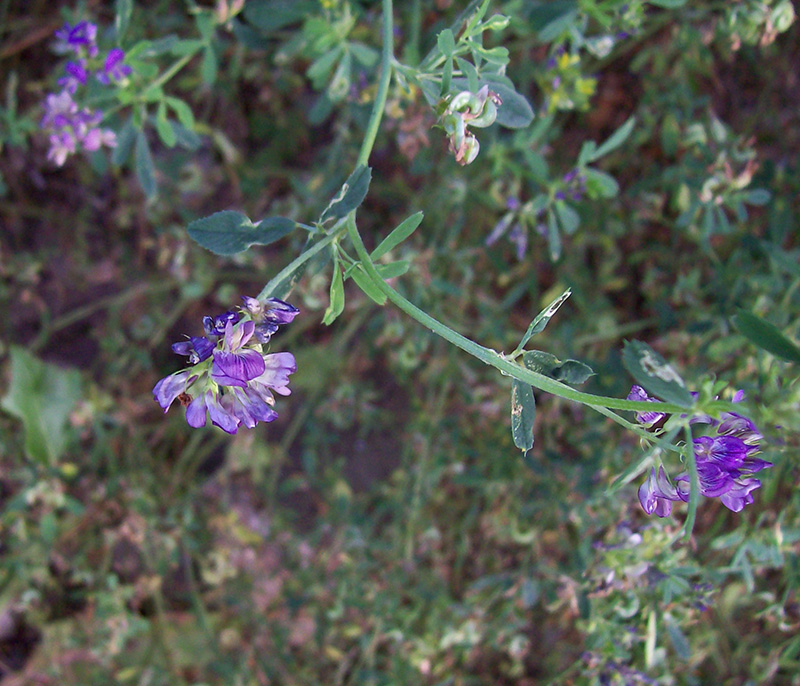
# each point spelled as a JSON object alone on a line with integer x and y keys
{"x": 525, "y": 275}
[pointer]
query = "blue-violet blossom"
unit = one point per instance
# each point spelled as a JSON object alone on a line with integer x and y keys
{"x": 231, "y": 377}
{"x": 726, "y": 462}
{"x": 69, "y": 126}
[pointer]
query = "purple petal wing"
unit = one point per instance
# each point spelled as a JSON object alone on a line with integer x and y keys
{"x": 221, "y": 416}
{"x": 196, "y": 411}
{"x": 236, "y": 369}
{"x": 170, "y": 387}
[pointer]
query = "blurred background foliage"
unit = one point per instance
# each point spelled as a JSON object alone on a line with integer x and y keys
{"x": 385, "y": 530}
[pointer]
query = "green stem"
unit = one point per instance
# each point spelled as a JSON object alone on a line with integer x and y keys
{"x": 168, "y": 74}
{"x": 506, "y": 366}
{"x": 492, "y": 357}
{"x": 383, "y": 85}
{"x": 303, "y": 257}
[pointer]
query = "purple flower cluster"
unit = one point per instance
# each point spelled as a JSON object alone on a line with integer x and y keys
{"x": 513, "y": 225}
{"x": 232, "y": 378}
{"x": 574, "y": 186}
{"x": 726, "y": 462}
{"x": 69, "y": 126}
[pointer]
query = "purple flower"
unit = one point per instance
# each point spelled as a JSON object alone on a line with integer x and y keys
{"x": 78, "y": 38}
{"x": 235, "y": 379}
{"x": 519, "y": 237}
{"x": 725, "y": 462}
{"x": 59, "y": 111}
{"x": 277, "y": 368}
{"x": 656, "y": 494}
{"x": 62, "y": 145}
{"x": 248, "y": 406}
{"x": 500, "y": 228}
{"x": 197, "y": 348}
{"x": 70, "y": 128}
{"x": 740, "y": 495}
{"x": 77, "y": 75}
{"x": 170, "y": 387}
{"x": 95, "y": 138}
{"x": 114, "y": 69}
{"x": 220, "y": 416}
{"x": 269, "y": 315}
{"x": 233, "y": 365}
{"x": 645, "y": 418}
{"x": 215, "y": 326}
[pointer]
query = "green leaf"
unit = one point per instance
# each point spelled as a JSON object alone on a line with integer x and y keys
{"x": 553, "y": 236}
{"x": 523, "y": 412}
{"x": 468, "y": 69}
{"x": 145, "y": 169}
{"x": 653, "y": 373}
{"x": 614, "y": 140}
{"x": 151, "y": 48}
{"x": 187, "y": 46}
{"x": 209, "y": 66}
{"x": 42, "y": 396}
{"x": 272, "y": 15}
{"x": 350, "y": 196}
{"x": 363, "y": 54}
{"x": 125, "y": 141}
{"x": 186, "y": 138}
{"x": 600, "y": 184}
{"x": 569, "y": 371}
{"x": 205, "y": 22}
{"x": 766, "y": 336}
{"x": 164, "y": 128}
{"x": 124, "y": 9}
{"x": 182, "y": 111}
{"x": 366, "y": 284}
{"x": 393, "y": 269}
{"x": 446, "y": 43}
{"x": 320, "y": 70}
{"x": 229, "y": 232}
{"x": 541, "y": 320}
{"x": 669, "y": 4}
{"x": 678, "y": 639}
{"x": 568, "y": 218}
{"x": 758, "y": 196}
{"x": 398, "y": 235}
{"x": 336, "y": 305}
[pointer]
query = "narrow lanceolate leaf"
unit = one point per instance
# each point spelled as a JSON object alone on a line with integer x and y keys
{"x": 336, "y": 305}
{"x": 42, "y": 396}
{"x": 653, "y": 373}
{"x": 523, "y": 412}
{"x": 615, "y": 140}
{"x": 398, "y": 235}
{"x": 766, "y": 336}
{"x": 446, "y": 42}
{"x": 350, "y": 196}
{"x": 365, "y": 283}
{"x": 229, "y": 232}
{"x": 145, "y": 169}
{"x": 540, "y": 320}
{"x": 124, "y": 9}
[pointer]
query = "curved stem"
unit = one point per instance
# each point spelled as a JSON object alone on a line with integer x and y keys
{"x": 492, "y": 357}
